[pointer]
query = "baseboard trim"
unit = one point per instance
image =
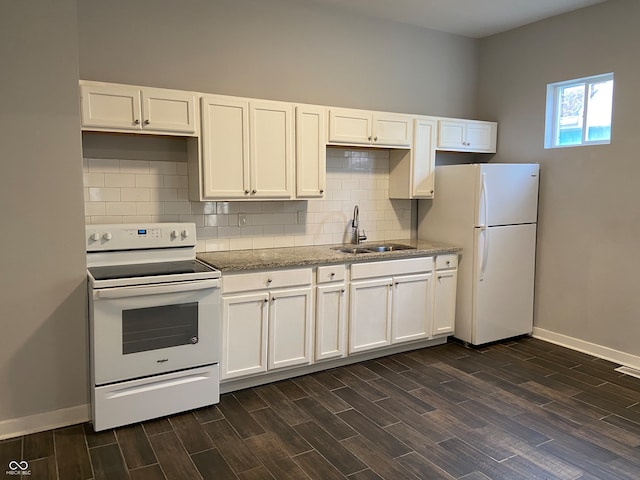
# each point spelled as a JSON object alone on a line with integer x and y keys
{"x": 606, "y": 353}
{"x": 15, "y": 427}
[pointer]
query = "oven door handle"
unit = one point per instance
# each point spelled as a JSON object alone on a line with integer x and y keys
{"x": 140, "y": 290}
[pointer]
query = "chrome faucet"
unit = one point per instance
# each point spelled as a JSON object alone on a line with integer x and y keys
{"x": 357, "y": 237}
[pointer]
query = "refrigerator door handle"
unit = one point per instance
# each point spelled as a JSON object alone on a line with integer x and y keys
{"x": 484, "y": 200}
{"x": 484, "y": 237}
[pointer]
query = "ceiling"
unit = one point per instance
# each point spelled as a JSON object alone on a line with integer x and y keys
{"x": 470, "y": 18}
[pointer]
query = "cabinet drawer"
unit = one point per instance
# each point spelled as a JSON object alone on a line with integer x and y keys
{"x": 391, "y": 267}
{"x": 446, "y": 261}
{"x": 268, "y": 279}
{"x": 331, "y": 273}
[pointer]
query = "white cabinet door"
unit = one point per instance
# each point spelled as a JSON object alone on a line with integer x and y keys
{"x": 445, "y": 301}
{"x": 481, "y": 136}
{"x": 350, "y": 126}
{"x": 370, "y": 314}
{"x": 412, "y": 307}
{"x": 225, "y": 148}
{"x": 392, "y": 130}
{"x": 111, "y": 107}
{"x": 423, "y": 158}
{"x": 271, "y": 149}
{"x": 244, "y": 335}
{"x": 289, "y": 327}
{"x": 311, "y": 151}
{"x": 467, "y": 136}
{"x": 330, "y": 321}
{"x": 168, "y": 111}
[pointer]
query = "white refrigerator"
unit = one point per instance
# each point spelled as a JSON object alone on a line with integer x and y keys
{"x": 491, "y": 211}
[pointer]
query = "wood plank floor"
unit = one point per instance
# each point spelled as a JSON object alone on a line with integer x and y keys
{"x": 524, "y": 409}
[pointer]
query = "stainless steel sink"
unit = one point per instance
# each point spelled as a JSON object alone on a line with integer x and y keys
{"x": 374, "y": 248}
{"x": 390, "y": 247}
{"x": 352, "y": 250}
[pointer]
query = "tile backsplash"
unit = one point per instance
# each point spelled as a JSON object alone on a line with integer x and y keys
{"x": 139, "y": 191}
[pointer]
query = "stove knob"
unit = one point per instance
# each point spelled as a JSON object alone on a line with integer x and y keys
{"x": 185, "y": 233}
{"x": 174, "y": 233}
{"x": 107, "y": 236}
{"x": 94, "y": 237}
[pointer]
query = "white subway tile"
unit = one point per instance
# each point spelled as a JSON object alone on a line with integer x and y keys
{"x": 94, "y": 208}
{"x": 240, "y": 243}
{"x": 294, "y": 229}
{"x": 119, "y": 180}
{"x": 93, "y": 179}
{"x": 229, "y": 232}
{"x": 134, "y": 166}
{"x": 294, "y": 206}
{"x": 283, "y": 242}
{"x": 225, "y": 208}
{"x": 273, "y": 230}
{"x": 103, "y": 165}
{"x": 197, "y": 219}
{"x": 121, "y": 208}
{"x": 260, "y": 219}
{"x": 107, "y": 219}
{"x": 149, "y": 208}
{"x": 99, "y": 194}
{"x": 217, "y": 245}
{"x": 273, "y": 207}
{"x": 207, "y": 232}
{"x": 183, "y": 194}
{"x": 137, "y": 219}
{"x": 163, "y": 168}
{"x": 86, "y": 194}
{"x": 262, "y": 242}
{"x": 135, "y": 194}
{"x": 204, "y": 208}
{"x": 251, "y": 231}
{"x": 303, "y": 240}
{"x": 177, "y": 208}
{"x": 149, "y": 181}
{"x": 182, "y": 168}
{"x": 163, "y": 194}
{"x": 175, "y": 181}
{"x": 285, "y": 218}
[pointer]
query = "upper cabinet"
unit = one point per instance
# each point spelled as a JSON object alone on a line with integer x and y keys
{"x": 247, "y": 149}
{"x": 311, "y": 151}
{"x": 125, "y": 108}
{"x": 467, "y": 136}
{"x": 411, "y": 173}
{"x": 361, "y": 127}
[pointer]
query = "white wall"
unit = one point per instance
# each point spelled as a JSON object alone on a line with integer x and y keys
{"x": 43, "y": 345}
{"x": 589, "y": 221}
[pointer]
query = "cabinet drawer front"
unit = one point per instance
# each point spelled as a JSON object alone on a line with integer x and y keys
{"x": 446, "y": 261}
{"x": 391, "y": 267}
{"x": 331, "y": 273}
{"x": 268, "y": 279}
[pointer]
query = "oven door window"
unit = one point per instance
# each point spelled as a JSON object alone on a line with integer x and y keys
{"x": 155, "y": 328}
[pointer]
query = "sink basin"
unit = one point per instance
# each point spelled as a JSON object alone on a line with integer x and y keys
{"x": 352, "y": 250}
{"x": 377, "y": 248}
{"x": 388, "y": 247}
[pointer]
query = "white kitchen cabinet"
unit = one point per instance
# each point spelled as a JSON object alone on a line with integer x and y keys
{"x": 445, "y": 287}
{"x": 116, "y": 108}
{"x": 247, "y": 149}
{"x": 467, "y": 135}
{"x": 311, "y": 151}
{"x": 289, "y": 327}
{"x": 330, "y": 317}
{"x": 411, "y": 318}
{"x": 390, "y": 302}
{"x": 362, "y": 127}
{"x": 244, "y": 334}
{"x": 267, "y": 321}
{"x": 412, "y": 173}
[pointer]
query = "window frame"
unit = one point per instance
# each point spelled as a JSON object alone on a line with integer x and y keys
{"x": 552, "y": 120}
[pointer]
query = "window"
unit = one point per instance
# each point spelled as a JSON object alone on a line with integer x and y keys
{"x": 579, "y": 112}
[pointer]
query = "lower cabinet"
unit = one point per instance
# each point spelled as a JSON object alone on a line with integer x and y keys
{"x": 266, "y": 329}
{"x": 331, "y": 312}
{"x": 390, "y": 302}
{"x": 446, "y": 280}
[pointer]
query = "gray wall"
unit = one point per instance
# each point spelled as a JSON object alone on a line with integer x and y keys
{"x": 281, "y": 50}
{"x": 589, "y": 223}
{"x": 43, "y": 352}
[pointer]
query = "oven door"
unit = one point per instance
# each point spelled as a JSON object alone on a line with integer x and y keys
{"x": 146, "y": 330}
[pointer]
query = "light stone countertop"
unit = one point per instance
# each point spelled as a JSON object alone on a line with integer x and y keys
{"x": 238, "y": 260}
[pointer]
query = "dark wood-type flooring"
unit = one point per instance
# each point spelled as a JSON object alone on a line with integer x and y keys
{"x": 524, "y": 409}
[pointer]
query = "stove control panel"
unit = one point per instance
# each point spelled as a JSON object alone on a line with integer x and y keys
{"x": 135, "y": 237}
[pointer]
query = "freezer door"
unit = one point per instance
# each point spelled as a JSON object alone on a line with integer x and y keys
{"x": 503, "y": 282}
{"x": 507, "y": 194}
